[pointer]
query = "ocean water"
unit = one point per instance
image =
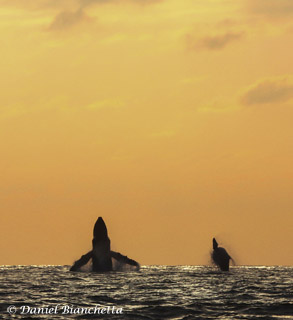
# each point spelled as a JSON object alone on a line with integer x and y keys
{"x": 154, "y": 292}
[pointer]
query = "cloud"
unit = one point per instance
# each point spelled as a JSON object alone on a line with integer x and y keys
{"x": 40, "y": 4}
{"x": 219, "y": 42}
{"x": 268, "y": 91}
{"x": 85, "y": 3}
{"x": 67, "y": 19}
{"x": 214, "y": 42}
{"x": 107, "y": 103}
{"x": 271, "y": 8}
{"x": 219, "y": 105}
{"x": 163, "y": 134}
{"x": 65, "y": 4}
{"x": 70, "y": 12}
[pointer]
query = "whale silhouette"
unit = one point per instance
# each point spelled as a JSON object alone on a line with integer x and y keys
{"x": 101, "y": 258}
{"x": 220, "y": 256}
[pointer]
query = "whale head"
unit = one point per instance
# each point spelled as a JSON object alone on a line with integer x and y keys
{"x": 100, "y": 230}
{"x": 101, "y": 247}
{"x": 215, "y": 244}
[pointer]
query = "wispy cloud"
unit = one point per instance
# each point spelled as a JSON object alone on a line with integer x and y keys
{"x": 216, "y": 42}
{"x": 65, "y": 3}
{"x": 41, "y": 4}
{"x": 271, "y": 8}
{"x": 269, "y": 91}
{"x": 163, "y": 134}
{"x": 219, "y": 106}
{"x": 70, "y": 13}
{"x": 85, "y": 3}
{"x": 219, "y": 42}
{"x": 67, "y": 19}
{"x": 107, "y": 103}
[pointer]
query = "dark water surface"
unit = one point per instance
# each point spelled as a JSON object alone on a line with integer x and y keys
{"x": 154, "y": 292}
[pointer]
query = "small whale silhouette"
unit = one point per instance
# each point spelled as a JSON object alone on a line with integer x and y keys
{"x": 101, "y": 258}
{"x": 220, "y": 256}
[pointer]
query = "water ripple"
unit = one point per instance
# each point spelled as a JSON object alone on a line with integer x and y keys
{"x": 155, "y": 292}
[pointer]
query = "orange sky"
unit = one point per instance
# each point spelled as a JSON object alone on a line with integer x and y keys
{"x": 170, "y": 119}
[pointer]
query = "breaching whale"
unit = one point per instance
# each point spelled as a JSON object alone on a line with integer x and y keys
{"x": 101, "y": 258}
{"x": 220, "y": 256}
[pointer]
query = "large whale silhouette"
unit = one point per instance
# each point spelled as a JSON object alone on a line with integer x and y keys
{"x": 220, "y": 256}
{"x": 101, "y": 258}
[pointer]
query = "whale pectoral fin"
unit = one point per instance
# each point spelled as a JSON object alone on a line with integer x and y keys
{"x": 82, "y": 261}
{"x": 124, "y": 259}
{"x": 233, "y": 261}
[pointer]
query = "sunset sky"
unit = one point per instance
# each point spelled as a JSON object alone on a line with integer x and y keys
{"x": 171, "y": 119}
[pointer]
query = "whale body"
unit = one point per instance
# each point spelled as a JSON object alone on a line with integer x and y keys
{"x": 220, "y": 256}
{"x": 101, "y": 258}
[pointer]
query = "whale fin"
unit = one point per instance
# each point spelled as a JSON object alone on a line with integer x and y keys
{"x": 82, "y": 261}
{"x": 123, "y": 263}
{"x": 233, "y": 261}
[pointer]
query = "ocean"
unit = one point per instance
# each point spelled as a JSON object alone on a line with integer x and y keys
{"x": 154, "y": 292}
